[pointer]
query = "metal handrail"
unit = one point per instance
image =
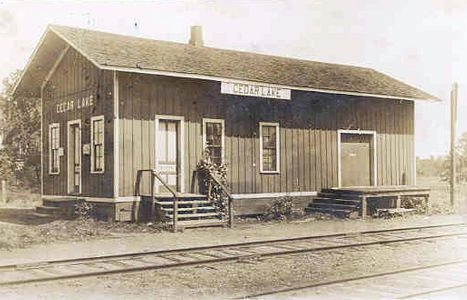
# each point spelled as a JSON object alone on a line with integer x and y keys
{"x": 227, "y": 193}
{"x": 155, "y": 174}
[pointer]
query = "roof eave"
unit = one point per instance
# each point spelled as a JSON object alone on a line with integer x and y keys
{"x": 298, "y": 88}
{"x": 31, "y": 58}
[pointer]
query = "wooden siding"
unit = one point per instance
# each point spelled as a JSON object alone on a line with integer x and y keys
{"x": 74, "y": 78}
{"x": 308, "y": 133}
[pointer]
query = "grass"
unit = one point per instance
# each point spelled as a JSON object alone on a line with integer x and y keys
{"x": 20, "y": 227}
{"x": 439, "y": 202}
{"x": 24, "y": 199}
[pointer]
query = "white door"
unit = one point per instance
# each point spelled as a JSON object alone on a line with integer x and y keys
{"x": 167, "y": 154}
{"x": 74, "y": 157}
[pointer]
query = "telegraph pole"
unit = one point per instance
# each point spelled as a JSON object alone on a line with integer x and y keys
{"x": 453, "y": 141}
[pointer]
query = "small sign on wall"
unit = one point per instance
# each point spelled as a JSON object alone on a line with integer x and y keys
{"x": 86, "y": 149}
{"x": 255, "y": 90}
{"x": 61, "y": 151}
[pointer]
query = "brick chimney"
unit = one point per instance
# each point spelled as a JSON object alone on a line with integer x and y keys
{"x": 196, "y": 38}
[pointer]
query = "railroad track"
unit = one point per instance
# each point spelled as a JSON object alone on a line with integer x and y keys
{"x": 133, "y": 262}
{"x": 409, "y": 283}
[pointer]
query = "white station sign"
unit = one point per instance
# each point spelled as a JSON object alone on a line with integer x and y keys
{"x": 255, "y": 90}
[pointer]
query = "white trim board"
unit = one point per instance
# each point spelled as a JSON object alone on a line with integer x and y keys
{"x": 116, "y": 136}
{"x": 42, "y": 141}
{"x": 274, "y": 195}
{"x": 96, "y": 199}
{"x": 180, "y": 147}
{"x": 374, "y": 149}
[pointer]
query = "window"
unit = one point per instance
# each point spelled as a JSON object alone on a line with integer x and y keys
{"x": 54, "y": 146}
{"x": 269, "y": 147}
{"x": 97, "y": 144}
{"x": 213, "y": 139}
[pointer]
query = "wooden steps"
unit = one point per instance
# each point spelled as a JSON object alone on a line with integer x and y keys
{"x": 193, "y": 211}
{"x": 60, "y": 208}
{"x": 365, "y": 200}
{"x": 335, "y": 203}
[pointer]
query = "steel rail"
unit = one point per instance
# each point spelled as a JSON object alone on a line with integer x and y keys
{"x": 282, "y": 250}
{"x": 170, "y": 251}
{"x": 369, "y": 276}
{"x": 444, "y": 289}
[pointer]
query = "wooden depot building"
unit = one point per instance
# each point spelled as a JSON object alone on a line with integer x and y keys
{"x": 113, "y": 105}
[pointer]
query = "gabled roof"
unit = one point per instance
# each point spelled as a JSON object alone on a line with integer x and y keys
{"x": 133, "y": 54}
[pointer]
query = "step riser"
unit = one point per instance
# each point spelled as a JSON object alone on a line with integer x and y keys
{"x": 190, "y": 209}
{"x": 339, "y": 196}
{"x": 333, "y": 206}
{"x": 45, "y": 211}
{"x": 56, "y": 212}
{"x": 54, "y": 203}
{"x": 181, "y": 199}
{"x": 336, "y": 201}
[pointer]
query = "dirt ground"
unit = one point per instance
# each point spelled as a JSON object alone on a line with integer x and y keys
{"x": 227, "y": 280}
{"x": 26, "y": 238}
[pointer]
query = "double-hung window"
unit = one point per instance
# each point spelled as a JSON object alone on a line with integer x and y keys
{"x": 269, "y": 147}
{"x": 213, "y": 139}
{"x": 97, "y": 144}
{"x": 54, "y": 146}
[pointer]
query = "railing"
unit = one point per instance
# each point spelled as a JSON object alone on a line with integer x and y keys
{"x": 174, "y": 193}
{"x": 226, "y": 192}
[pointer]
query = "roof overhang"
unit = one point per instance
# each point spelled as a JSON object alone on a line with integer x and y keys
{"x": 53, "y": 44}
{"x": 224, "y": 79}
{"x": 40, "y": 63}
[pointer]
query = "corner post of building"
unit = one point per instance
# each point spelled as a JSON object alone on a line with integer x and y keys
{"x": 153, "y": 201}
{"x": 175, "y": 213}
{"x": 231, "y": 214}
{"x": 398, "y": 201}
{"x": 116, "y": 136}
{"x": 4, "y": 199}
{"x": 364, "y": 206}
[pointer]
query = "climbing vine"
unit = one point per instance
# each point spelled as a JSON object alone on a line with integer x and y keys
{"x": 205, "y": 168}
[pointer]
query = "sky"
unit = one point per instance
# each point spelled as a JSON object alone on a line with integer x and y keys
{"x": 421, "y": 42}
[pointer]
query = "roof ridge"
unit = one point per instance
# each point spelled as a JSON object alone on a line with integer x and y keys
{"x": 212, "y": 48}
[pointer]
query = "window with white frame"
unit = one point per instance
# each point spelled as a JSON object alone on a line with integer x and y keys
{"x": 269, "y": 147}
{"x": 54, "y": 148}
{"x": 213, "y": 139}
{"x": 97, "y": 144}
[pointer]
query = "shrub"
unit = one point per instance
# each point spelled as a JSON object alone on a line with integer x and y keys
{"x": 85, "y": 210}
{"x": 417, "y": 203}
{"x": 281, "y": 209}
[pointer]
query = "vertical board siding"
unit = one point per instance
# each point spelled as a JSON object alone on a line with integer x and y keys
{"x": 74, "y": 78}
{"x": 308, "y": 133}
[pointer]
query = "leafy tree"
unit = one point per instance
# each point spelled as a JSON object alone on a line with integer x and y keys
{"x": 461, "y": 161}
{"x": 432, "y": 166}
{"x": 20, "y": 124}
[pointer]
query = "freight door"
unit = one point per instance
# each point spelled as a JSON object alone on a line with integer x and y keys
{"x": 74, "y": 157}
{"x": 357, "y": 160}
{"x": 167, "y": 154}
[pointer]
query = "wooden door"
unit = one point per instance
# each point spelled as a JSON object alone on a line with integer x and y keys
{"x": 167, "y": 154}
{"x": 74, "y": 158}
{"x": 356, "y": 160}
